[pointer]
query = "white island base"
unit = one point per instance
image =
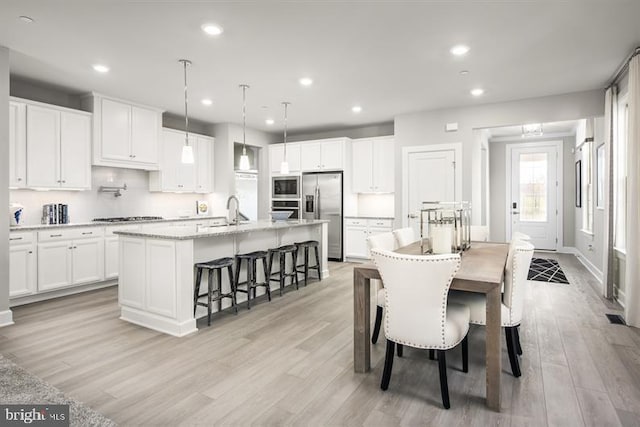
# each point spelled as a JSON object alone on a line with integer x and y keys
{"x": 157, "y": 267}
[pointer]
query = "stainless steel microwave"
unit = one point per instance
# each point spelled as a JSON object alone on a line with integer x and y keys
{"x": 285, "y": 187}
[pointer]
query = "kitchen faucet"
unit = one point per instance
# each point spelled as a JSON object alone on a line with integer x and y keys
{"x": 235, "y": 221}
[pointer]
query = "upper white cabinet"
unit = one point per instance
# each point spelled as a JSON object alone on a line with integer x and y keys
{"x": 373, "y": 165}
{"x": 58, "y": 144}
{"x": 276, "y": 157}
{"x": 17, "y": 145}
{"x": 124, "y": 134}
{"x": 175, "y": 176}
{"x": 322, "y": 155}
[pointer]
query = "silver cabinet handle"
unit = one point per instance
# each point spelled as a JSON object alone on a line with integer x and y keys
{"x": 19, "y": 179}
{"x": 15, "y": 238}
{"x": 515, "y": 213}
{"x": 55, "y": 235}
{"x": 412, "y": 216}
{"x": 87, "y": 232}
{"x": 30, "y": 252}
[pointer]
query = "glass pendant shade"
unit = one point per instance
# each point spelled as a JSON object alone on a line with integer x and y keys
{"x": 244, "y": 161}
{"x": 284, "y": 167}
{"x": 187, "y": 154}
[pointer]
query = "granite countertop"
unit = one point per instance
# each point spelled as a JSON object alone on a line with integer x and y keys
{"x": 190, "y": 232}
{"x": 105, "y": 223}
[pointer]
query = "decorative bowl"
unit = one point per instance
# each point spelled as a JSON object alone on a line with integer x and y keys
{"x": 280, "y": 215}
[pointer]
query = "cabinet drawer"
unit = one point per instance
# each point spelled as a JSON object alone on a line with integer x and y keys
{"x": 74, "y": 233}
{"x": 385, "y": 223}
{"x": 355, "y": 221}
{"x": 20, "y": 238}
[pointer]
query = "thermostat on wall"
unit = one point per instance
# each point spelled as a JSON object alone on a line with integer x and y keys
{"x": 451, "y": 127}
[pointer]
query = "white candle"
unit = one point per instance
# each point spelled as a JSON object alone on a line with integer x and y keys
{"x": 441, "y": 240}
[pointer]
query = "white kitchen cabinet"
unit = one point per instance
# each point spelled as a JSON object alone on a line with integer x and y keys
{"x": 17, "y": 145}
{"x": 373, "y": 165}
{"x": 204, "y": 164}
{"x": 70, "y": 257}
{"x": 322, "y": 155}
{"x": 110, "y": 257}
{"x": 175, "y": 176}
{"x": 125, "y": 134}
{"x": 58, "y": 148}
{"x": 358, "y": 230}
{"x": 23, "y": 262}
{"x": 276, "y": 157}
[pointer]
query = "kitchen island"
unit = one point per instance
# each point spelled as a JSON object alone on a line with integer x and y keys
{"x": 157, "y": 267}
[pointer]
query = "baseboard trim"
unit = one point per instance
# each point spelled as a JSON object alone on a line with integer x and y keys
{"x": 158, "y": 323}
{"x": 28, "y": 299}
{"x": 6, "y": 318}
{"x": 619, "y": 296}
{"x": 589, "y": 265}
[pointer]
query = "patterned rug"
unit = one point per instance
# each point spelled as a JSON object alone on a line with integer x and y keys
{"x": 546, "y": 270}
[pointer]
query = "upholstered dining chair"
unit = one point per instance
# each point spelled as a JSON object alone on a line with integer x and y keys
{"x": 515, "y": 280}
{"x": 387, "y": 242}
{"x": 404, "y": 236}
{"x": 417, "y": 311}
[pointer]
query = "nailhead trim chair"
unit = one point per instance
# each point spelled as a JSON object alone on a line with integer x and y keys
{"x": 404, "y": 236}
{"x": 387, "y": 242}
{"x": 417, "y": 311}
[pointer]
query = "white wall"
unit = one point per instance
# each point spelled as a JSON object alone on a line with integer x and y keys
{"x": 498, "y": 197}
{"x": 4, "y": 184}
{"x": 427, "y": 127}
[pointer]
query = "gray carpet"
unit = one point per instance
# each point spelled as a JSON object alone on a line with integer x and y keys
{"x": 18, "y": 386}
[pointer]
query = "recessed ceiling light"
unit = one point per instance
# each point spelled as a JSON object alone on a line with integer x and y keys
{"x": 459, "y": 50}
{"x": 269, "y": 121}
{"x": 212, "y": 29}
{"x": 464, "y": 72}
{"x": 207, "y": 102}
{"x": 306, "y": 81}
{"x": 26, "y": 19}
{"x": 356, "y": 108}
{"x": 101, "y": 68}
{"x": 477, "y": 91}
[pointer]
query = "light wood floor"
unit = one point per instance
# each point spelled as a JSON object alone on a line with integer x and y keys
{"x": 289, "y": 362}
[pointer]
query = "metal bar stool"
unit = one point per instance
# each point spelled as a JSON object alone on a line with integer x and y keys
{"x": 305, "y": 265}
{"x": 252, "y": 278}
{"x": 281, "y": 275}
{"x": 214, "y": 268}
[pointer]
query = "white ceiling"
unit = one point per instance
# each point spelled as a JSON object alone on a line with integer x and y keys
{"x": 567, "y": 127}
{"x": 389, "y": 57}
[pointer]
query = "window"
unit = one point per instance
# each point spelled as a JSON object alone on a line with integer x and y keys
{"x": 533, "y": 187}
{"x": 620, "y": 174}
{"x": 587, "y": 186}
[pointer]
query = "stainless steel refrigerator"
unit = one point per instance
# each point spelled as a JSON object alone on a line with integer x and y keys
{"x": 322, "y": 199}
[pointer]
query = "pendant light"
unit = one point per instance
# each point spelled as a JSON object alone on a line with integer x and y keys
{"x": 284, "y": 166}
{"x": 244, "y": 159}
{"x": 187, "y": 150}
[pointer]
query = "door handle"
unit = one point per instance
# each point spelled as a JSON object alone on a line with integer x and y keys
{"x": 412, "y": 216}
{"x": 515, "y": 213}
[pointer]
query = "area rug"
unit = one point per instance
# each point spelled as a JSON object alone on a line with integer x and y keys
{"x": 546, "y": 270}
{"x": 17, "y": 386}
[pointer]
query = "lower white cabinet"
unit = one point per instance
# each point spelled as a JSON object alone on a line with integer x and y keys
{"x": 22, "y": 271}
{"x": 358, "y": 231}
{"x": 110, "y": 257}
{"x": 70, "y": 257}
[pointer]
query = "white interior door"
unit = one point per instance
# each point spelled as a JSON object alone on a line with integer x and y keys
{"x": 431, "y": 178}
{"x": 533, "y": 208}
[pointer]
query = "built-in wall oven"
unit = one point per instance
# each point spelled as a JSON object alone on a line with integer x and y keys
{"x": 287, "y": 205}
{"x": 285, "y": 187}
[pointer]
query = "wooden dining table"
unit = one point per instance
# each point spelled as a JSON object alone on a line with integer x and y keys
{"x": 481, "y": 270}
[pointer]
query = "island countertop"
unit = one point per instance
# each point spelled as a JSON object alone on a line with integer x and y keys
{"x": 190, "y": 232}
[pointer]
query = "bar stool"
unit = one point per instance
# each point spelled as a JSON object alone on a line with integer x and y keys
{"x": 252, "y": 278}
{"x": 305, "y": 265}
{"x": 214, "y": 268}
{"x": 282, "y": 252}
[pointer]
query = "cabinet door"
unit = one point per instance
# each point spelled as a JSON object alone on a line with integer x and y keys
{"x": 88, "y": 261}
{"x": 332, "y": 155}
{"x": 356, "y": 242}
{"x": 22, "y": 274}
{"x": 17, "y": 146}
{"x": 75, "y": 150}
{"x": 310, "y": 159}
{"x": 43, "y": 147}
{"x": 54, "y": 265}
{"x": 110, "y": 257}
{"x": 383, "y": 166}
{"x": 293, "y": 157}
{"x": 133, "y": 277}
{"x": 276, "y": 154}
{"x": 204, "y": 149}
{"x": 115, "y": 130}
{"x": 145, "y": 131}
{"x": 362, "y": 173}
{"x": 171, "y": 155}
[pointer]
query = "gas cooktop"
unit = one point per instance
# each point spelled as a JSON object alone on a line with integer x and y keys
{"x": 127, "y": 219}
